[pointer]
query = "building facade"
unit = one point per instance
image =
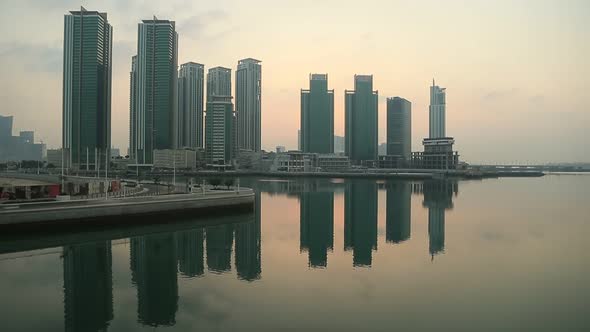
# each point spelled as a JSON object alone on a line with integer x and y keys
{"x": 317, "y": 116}
{"x": 248, "y": 104}
{"x": 360, "y": 125}
{"x": 175, "y": 159}
{"x": 220, "y": 130}
{"x": 87, "y": 67}
{"x": 218, "y": 82}
{"x": 191, "y": 91}
{"x": 154, "y": 122}
{"x": 399, "y": 127}
{"x": 437, "y": 112}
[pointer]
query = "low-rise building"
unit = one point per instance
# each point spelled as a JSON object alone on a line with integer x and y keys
{"x": 332, "y": 162}
{"x": 438, "y": 154}
{"x": 294, "y": 161}
{"x": 175, "y": 158}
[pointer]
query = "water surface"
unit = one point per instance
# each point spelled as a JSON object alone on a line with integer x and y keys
{"x": 508, "y": 254}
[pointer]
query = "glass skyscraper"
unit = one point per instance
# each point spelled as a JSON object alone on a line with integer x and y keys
{"x": 220, "y": 122}
{"x": 399, "y": 127}
{"x": 317, "y": 116}
{"x": 437, "y": 111}
{"x": 154, "y": 122}
{"x": 191, "y": 88}
{"x": 248, "y": 104}
{"x": 360, "y": 125}
{"x": 87, "y": 66}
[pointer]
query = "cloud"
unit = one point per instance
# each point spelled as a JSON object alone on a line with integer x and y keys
{"x": 32, "y": 57}
{"x": 208, "y": 25}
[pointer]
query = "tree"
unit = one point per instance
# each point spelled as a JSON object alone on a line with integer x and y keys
{"x": 50, "y": 166}
{"x": 214, "y": 182}
{"x": 228, "y": 182}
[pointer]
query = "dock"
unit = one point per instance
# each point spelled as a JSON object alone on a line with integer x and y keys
{"x": 142, "y": 209}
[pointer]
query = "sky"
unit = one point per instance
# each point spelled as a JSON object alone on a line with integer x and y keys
{"x": 516, "y": 71}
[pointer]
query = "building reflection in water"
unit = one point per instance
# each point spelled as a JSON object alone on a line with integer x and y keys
{"x": 360, "y": 220}
{"x": 248, "y": 242}
{"x": 153, "y": 272}
{"x": 398, "y": 211}
{"x": 316, "y": 224}
{"x": 219, "y": 245}
{"x": 88, "y": 286}
{"x": 438, "y": 197}
{"x": 190, "y": 252}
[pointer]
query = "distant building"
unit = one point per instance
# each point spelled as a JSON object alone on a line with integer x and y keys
{"x": 317, "y": 116}
{"x": 54, "y": 157}
{"x": 294, "y": 161}
{"x": 18, "y": 148}
{"x": 281, "y": 149}
{"x": 361, "y": 120}
{"x": 115, "y": 152}
{"x": 332, "y": 162}
{"x": 399, "y": 127}
{"x": 154, "y": 96}
{"x": 87, "y": 67}
{"x": 179, "y": 159}
{"x": 382, "y": 149}
{"x": 437, "y": 111}
{"x": 5, "y": 126}
{"x": 191, "y": 89}
{"x": 248, "y": 104}
{"x": 250, "y": 160}
{"x": 218, "y": 82}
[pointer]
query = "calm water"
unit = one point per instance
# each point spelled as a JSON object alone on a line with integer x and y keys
{"x": 508, "y": 254}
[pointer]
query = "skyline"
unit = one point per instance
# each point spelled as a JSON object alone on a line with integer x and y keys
{"x": 543, "y": 102}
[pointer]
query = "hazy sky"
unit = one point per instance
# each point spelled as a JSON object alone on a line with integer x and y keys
{"x": 516, "y": 72}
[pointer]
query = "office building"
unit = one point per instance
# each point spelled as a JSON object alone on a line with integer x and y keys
{"x": 317, "y": 116}
{"x": 248, "y": 104}
{"x": 437, "y": 112}
{"x": 220, "y": 120}
{"x": 360, "y": 125}
{"x": 18, "y": 148}
{"x": 175, "y": 159}
{"x": 5, "y": 126}
{"x": 399, "y": 127}
{"x": 191, "y": 90}
{"x": 154, "y": 75}
{"x": 316, "y": 211}
{"x": 87, "y": 67}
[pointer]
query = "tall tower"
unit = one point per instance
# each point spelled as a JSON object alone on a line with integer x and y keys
{"x": 248, "y": 104}
{"x": 317, "y": 116}
{"x": 133, "y": 108}
{"x": 156, "y": 124}
{"x": 191, "y": 88}
{"x": 86, "y": 120}
{"x": 399, "y": 127}
{"x": 220, "y": 122}
{"x": 437, "y": 111}
{"x": 360, "y": 126}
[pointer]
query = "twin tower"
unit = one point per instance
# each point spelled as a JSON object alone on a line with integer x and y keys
{"x": 361, "y": 120}
{"x": 166, "y": 104}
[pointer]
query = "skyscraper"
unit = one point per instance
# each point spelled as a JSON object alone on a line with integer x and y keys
{"x": 191, "y": 88}
{"x": 437, "y": 111}
{"x": 316, "y": 235}
{"x": 399, "y": 127}
{"x": 155, "y": 125}
{"x": 248, "y": 104}
{"x": 317, "y": 116}
{"x": 360, "y": 126}
{"x": 133, "y": 108}
{"x": 398, "y": 219}
{"x": 87, "y": 66}
{"x": 360, "y": 220}
{"x": 220, "y": 122}
{"x": 6, "y": 126}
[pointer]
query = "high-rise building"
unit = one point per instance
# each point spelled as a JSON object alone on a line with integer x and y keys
{"x": 218, "y": 82}
{"x": 399, "y": 127}
{"x": 155, "y": 125}
{"x": 191, "y": 88}
{"x": 87, "y": 66}
{"x": 248, "y": 104}
{"x": 317, "y": 116}
{"x": 248, "y": 245}
{"x": 133, "y": 125}
{"x": 220, "y": 120}
{"x": 437, "y": 111}
{"x": 360, "y": 128}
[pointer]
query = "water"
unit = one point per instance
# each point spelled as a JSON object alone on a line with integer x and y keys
{"x": 509, "y": 254}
